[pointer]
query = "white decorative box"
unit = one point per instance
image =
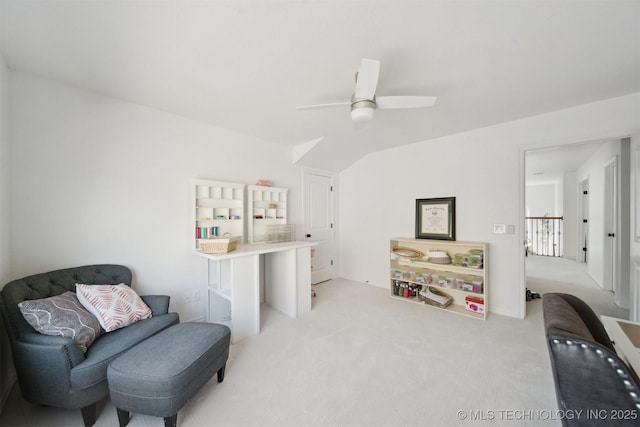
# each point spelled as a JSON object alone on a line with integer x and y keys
{"x": 474, "y": 304}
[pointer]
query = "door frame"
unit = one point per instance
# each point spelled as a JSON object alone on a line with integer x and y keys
{"x": 634, "y": 261}
{"x": 583, "y": 227}
{"x": 334, "y": 204}
{"x": 611, "y": 253}
{"x": 624, "y": 218}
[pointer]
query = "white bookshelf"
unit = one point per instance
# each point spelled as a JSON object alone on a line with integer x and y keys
{"x": 218, "y": 208}
{"x": 265, "y": 206}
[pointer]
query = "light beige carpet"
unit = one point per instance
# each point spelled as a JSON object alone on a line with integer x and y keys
{"x": 361, "y": 358}
{"x": 548, "y": 274}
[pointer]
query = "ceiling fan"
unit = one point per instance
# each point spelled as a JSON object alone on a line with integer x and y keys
{"x": 364, "y": 101}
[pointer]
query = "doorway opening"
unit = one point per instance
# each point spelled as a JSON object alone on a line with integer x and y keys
{"x": 319, "y": 223}
{"x": 576, "y": 182}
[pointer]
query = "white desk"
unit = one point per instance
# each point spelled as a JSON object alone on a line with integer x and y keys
{"x": 234, "y": 278}
{"x": 622, "y": 339}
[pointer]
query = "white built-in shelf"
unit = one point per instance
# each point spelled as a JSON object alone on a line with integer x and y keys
{"x": 265, "y": 206}
{"x": 218, "y": 209}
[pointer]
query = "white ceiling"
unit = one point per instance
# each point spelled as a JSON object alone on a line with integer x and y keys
{"x": 246, "y": 65}
{"x": 546, "y": 166}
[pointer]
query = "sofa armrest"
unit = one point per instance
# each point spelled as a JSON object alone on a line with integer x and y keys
{"x": 589, "y": 376}
{"x": 35, "y": 355}
{"x": 159, "y": 304}
{"x": 42, "y": 343}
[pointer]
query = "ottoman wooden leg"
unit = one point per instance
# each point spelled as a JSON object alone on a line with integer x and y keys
{"x": 123, "y": 417}
{"x": 171, "y": 421}
{"x": 221, "y": 373}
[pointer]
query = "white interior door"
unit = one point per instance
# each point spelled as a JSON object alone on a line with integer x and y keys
{"x": 318, "y": 223}
{"x": 610, "y": 226}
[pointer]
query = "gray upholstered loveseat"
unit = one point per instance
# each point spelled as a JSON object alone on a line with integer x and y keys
{"x": 52, "y": 370}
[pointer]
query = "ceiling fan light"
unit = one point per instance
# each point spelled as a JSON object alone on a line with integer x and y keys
{"x": 362, "y": 114}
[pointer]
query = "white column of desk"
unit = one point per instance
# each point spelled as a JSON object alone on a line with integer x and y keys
{"x": 233, "y": 284}
{"x": 303, "y": 260}
{"x": 287, "y": 289}
{"x": 622, "y": 341}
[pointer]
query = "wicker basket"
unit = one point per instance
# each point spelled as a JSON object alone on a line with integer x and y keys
{"x": 432, "y": 296}
{"x": 219, "y": 245}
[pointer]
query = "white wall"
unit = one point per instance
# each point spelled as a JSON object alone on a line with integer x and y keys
{"x": 541, "y": 200}
{"x": 593, "y": 169}
{"x": 5, "y": 164}
{"x": 5, "y": 167}
{"x": 484, "y": 170}
{"x": 7, "y": 373}
{"x": 98, "y": 180}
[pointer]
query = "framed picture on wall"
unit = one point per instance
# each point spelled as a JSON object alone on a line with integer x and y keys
{"x": 436, "y": 218}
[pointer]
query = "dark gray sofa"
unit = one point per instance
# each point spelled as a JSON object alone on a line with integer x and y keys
{"x": 52, "y": 370}
{"x": 594, "y": 387}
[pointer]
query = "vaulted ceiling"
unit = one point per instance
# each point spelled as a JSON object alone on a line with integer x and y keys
{"x": 247, "y": 65}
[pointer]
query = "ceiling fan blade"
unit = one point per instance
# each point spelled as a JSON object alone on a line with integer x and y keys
{"x": 391, "y": 102}
{"x": 323, "y": 106}
{"x": 367, "y": 79}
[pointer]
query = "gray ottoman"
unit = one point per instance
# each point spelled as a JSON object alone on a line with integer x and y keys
{"x": 159, "y": 375}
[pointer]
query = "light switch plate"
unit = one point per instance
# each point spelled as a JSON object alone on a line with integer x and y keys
{"x": 499, "y": 229}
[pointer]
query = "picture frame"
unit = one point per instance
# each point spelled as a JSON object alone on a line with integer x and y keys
{"x": 436, "y": 218}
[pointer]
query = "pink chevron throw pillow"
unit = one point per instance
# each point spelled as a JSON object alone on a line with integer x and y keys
{"x": 115, "y": 306}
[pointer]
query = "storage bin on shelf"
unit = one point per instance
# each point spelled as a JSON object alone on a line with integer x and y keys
{"x": 422, "y": 277}
{"x": 469, "y": 283}
{"x": 399, "y": 274}
{"x": 472, "y": 259}
{"x": 219, "y": 245}
{"x": 277, "y": 233}
{"x": 443, "y": 279}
